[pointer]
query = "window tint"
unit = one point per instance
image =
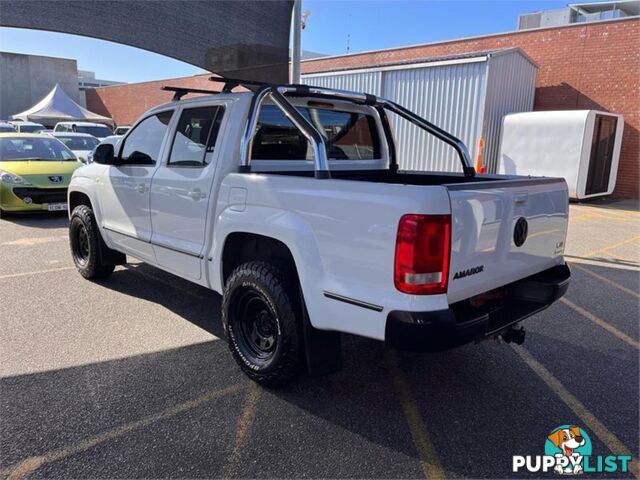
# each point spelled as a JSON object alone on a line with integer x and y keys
{"x": 195, "y": 136}
{"x": 95, "y": 131}
{"x": 347, "y": 135}
{"x": 79, "y": 143}
{"x": 142, "y": 146}
{"x": 33, "y": 148}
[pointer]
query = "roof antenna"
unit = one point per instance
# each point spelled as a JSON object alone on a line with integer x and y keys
{"x": 348, "y": 42}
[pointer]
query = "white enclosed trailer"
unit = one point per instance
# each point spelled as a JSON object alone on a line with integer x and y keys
{"x": 582, "y": 146}
{"x": 465, "y": 94}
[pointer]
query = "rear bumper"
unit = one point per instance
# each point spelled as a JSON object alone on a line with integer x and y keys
{"x": 462, "y": 323}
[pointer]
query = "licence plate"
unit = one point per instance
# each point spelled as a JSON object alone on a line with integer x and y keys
{"x": 54, "y": 207}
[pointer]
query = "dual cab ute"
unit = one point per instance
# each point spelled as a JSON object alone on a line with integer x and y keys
{"x": 288, "y": 201}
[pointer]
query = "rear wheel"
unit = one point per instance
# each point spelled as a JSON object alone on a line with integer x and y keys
{"x": 262, "y": 317}
{"x": 86, "y": 244}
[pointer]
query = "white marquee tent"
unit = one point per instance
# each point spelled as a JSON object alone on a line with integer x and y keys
{"x": 57, "y": 106}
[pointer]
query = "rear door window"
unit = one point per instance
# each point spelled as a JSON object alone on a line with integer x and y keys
{"x": 195, "y": 136}
{"x": 347, "y": 135}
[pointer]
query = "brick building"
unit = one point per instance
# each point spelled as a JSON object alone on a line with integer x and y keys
{"x": 580, "y": 66}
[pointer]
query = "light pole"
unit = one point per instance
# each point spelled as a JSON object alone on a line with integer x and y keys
{"x": 297, "y": 37}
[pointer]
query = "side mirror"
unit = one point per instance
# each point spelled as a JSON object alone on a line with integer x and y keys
{"x": 104, "y": 154}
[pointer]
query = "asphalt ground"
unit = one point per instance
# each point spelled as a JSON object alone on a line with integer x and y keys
{"x": 130, "y": 377}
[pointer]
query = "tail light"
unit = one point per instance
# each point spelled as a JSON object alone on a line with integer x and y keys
{"x": 423, "y": 248}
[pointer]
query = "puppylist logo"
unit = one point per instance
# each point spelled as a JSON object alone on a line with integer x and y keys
{"x": 567, "y": 451}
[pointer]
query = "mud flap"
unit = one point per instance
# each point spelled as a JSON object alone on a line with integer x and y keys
{"x": 323, "y": 349}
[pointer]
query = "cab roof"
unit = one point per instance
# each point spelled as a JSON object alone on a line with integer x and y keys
{"x": 82, "y": 124}
{"x": 70, "y": 134}
{"x": 23, "y": 135}
{"x": 201, "y": 98}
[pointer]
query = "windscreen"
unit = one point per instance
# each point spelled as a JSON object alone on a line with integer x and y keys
{"x": 43, "y": 149}
{"x": 30, "y": 128}
{"x": 347, "y": 135}
{"x": 79, "y": 143}
{"x": 95, "y": 131}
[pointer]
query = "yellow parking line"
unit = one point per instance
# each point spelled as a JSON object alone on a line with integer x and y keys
{"x": 611, "y": 247}
{"x": 598, "y": 321}
{"x": 589, "y": 419}
{"x": 426, "y": 451}
{"x": 244, "y": 425}
{"x": 25, "y": 274}
{"x": 29, "y": 465}
{"x": 606, "y": 280}
{"x": 586, "y": 217}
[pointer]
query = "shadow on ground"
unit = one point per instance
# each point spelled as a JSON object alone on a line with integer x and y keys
{"x": 38, "y": 219}
{"x": 481, "y": 403}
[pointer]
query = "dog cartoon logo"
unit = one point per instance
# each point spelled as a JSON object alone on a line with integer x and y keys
{"x": 569, "y": 444}
{"x": 567, "y": 451}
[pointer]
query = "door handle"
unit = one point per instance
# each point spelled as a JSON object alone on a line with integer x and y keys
{"x": 141, "y": 188}
{"x": 521, "y": 199}
{"x": 197, "y": 194}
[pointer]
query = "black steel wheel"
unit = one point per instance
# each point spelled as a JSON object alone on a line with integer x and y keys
{"x": 261, "y": 314}
{"x": 258, "y": 331}
{"x": 85, "y": 242}
{"x": 80, "y": 245}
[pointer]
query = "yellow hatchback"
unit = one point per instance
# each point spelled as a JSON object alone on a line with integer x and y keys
{"x": 35, "y": 171}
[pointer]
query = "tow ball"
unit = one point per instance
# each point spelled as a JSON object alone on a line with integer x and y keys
{"x": 513, "y": 335}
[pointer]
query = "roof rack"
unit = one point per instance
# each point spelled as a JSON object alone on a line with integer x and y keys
{"x": 182, "y": 91}
{"x": 231, "y": 83}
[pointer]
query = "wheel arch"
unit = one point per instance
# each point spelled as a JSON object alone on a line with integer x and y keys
{"x": 242, "y": 247}
{"x": 78, "y": 198}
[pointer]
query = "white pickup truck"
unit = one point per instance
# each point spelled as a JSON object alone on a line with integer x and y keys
{"x": 288, "y": 201}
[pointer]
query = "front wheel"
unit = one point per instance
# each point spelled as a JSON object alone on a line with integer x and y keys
{"x": 261, "y": 314}
{"x": 86, "y": 242}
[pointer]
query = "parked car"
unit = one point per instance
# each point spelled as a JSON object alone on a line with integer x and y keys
{"x": 288, "y": 201}
{"x": 35, "y": 171}
{"x": 28, "y": 127}
{"x": 6, "y": 127}
{"x": 82, "y": 144}
{"x": 112, "y": 140}
{"x": 98, "y": 130}
{"x": 121, "y": 130}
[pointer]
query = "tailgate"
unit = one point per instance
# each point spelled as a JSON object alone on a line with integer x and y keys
{"x": 504, "y": 230}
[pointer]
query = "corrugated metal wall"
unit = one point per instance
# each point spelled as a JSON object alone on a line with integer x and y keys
{"x": 448, "y": 96}
{"x": 510, "y": 88}
{"x": 466, "y": 98}
{"x": 367, "y": 82}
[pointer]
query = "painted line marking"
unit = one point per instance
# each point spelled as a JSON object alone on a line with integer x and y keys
{"x": 28, "y": 466}
{"x": 28, "y": 242}
{"x": 421, "y": 439}
{"x": 587, "y": 217}
{"x": 606, "y": 280}
{"x": 25, "y": 274}
{"x": 589, "y": 419}
{"x": 616, "y": 263}
{"x": 611, "y": 247}
{"x": 242, "y": 431}
{"x": 609, "y": 211}
{"x": 601, "y": 323}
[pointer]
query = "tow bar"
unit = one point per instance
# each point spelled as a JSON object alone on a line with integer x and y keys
{"x": 513, "y": 335}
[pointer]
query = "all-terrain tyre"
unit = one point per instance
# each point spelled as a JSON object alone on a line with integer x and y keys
{"x": 262, "y": 317}
{"x": 86, "y": 244}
